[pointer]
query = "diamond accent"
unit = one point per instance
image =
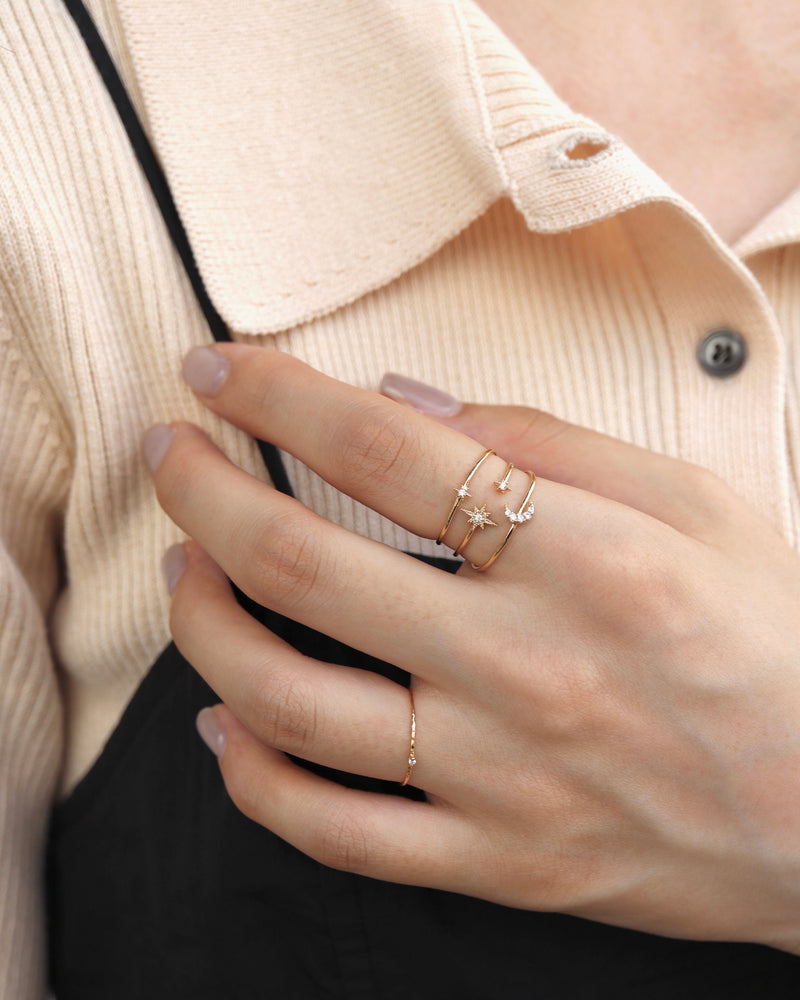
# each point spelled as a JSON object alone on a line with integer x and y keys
{"x": 522, "y": 516}
{"x": 479, "y": 517}
{"x": 504, "y": 485}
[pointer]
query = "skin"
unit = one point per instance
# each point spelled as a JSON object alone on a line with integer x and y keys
{"x": 608, "y": 720}
{"x": 704, "y": 91}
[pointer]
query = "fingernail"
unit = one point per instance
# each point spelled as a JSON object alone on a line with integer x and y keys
{"x": 173, "y": 564}
{"x": 211, "y": 732}
{"x": 155, "y": 443}
{"x": 419, "y": 396}
{"x": 205, "y": 370}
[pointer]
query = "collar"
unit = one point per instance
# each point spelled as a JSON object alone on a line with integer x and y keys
{"x": 318, "y": 151}
{"x": 780, "y": 227}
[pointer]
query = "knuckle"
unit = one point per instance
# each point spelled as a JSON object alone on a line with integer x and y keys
{"x": 370, "y": 443}
{"x": 714, "y": 503}
{"x": 286, "y": 559}
{"x": 342, "y": 843}
{"x": 274, "y": 371}
{"x": 576, "y": 701}
{"x": 288, "y": 715}
{"x": 632, "y": 574}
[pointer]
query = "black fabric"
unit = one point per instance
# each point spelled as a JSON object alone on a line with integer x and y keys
{"x": 160, "y": 888}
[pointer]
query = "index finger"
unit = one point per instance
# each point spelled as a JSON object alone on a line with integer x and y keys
{"x": 389, "y": 457}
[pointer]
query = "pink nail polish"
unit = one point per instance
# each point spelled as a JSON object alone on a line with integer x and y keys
{"x": 211, "y": 732}
{"x": 419, "y": 396}
{"x": 205, "y": 370}
{"x": 155, "y": 443}
{"x": 173, "y": 565}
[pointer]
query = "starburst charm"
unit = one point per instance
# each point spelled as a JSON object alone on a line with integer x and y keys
{"x": 462, "y": 492}
{"x": 479, "y": 517}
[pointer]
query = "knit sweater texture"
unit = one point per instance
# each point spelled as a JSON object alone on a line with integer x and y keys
{"x": 370, "y": 187}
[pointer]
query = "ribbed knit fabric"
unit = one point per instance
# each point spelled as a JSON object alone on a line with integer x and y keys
{"x": 579, "y": 285}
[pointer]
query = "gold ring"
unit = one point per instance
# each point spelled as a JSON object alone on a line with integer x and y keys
{"x": 412, "y": 748}
{"x": 478, "y": 517}
{"x": 520, "y": 516}
{"x": 504, "y": 485}
{"x": 462, "y": 492}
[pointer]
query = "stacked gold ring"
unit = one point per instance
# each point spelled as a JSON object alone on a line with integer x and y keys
{"x": 462, "y": 492}
{"x": 481, "y": 517}
{"x": 520, "y": 516}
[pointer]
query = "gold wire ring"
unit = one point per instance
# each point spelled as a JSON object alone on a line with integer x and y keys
{"x": 461, "y": 494}
{"x": 504, "y": 485}
{"x": 520, "y": 516}
{"x": 479, "y": 517}
{"x": 412, "y": 748}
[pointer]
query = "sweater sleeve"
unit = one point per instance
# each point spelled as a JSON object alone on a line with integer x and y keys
{"x": 33, "y": 485}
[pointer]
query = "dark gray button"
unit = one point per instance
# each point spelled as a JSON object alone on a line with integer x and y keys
{"x": 722, "y": 352}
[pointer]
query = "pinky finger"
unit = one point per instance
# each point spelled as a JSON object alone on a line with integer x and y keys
{"x": 382, "y": 836}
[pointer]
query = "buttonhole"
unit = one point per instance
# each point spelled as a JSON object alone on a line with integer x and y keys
{"x": 582, "y": 149}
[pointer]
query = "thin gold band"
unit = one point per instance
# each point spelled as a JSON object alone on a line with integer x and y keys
{"x": 412, "y": 756}
{"x": 515, "y": 518}
{"x": 461, "y": 494}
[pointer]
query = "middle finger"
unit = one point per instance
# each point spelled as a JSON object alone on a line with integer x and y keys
{"x": 290, "y": 559}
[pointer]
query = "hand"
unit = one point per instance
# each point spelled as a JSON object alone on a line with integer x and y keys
{"x": 608, "y": 719}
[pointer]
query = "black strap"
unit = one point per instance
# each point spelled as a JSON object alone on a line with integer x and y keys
{"x": 161, "y": 192}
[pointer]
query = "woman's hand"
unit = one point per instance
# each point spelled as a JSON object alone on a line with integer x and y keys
{"x": 607, "y": 720}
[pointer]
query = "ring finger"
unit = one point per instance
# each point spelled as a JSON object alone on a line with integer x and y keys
{"x": 348, "y": 719}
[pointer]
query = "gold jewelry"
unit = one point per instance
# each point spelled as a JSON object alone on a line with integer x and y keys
{"x": 504, "y": 485}
{"x": 479, "y": 517}
{"x": 462, "y": 492}
{"x": 520, "y": 516}
{"x": 412, "y": 756}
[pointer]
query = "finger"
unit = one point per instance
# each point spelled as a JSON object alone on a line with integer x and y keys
{"x": 388, "y": 457}
{"x": 381, "y": 836}
{"x": 348, "y": 719}
{"x": 680, "y": 494}
{"x": 289, "y": 559}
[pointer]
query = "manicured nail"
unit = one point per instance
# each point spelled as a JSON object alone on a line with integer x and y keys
{"x": 173, "y": 564}
{"x": 211, "y": 732}
{"x": 419, "y": 396}
{"x": 155, "y": 443}
{"x": 205, "y": 370}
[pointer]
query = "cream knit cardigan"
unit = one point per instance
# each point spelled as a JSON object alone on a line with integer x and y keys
{"x": 370, "y": 186}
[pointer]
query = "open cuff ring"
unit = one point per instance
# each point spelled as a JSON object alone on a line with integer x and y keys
{"x": 462, "y": 492}
{"x": 480, "y": 517}
{"x": 523, "y": 513}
